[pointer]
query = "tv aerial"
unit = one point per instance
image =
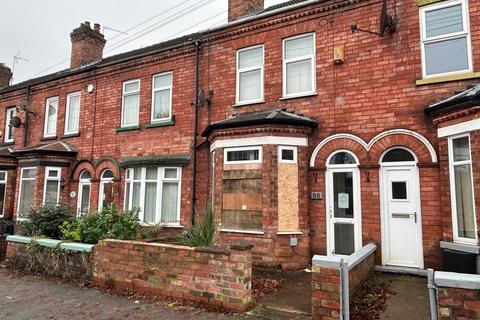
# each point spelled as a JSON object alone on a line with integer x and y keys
{"x": 386, "y": 22}
{"x": 16, "y": 60}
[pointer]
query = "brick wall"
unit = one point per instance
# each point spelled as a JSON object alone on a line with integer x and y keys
{"x": 327, "y": 281}
{"x": 215, "y": 276}
{"x": 457, "y": 303}
{"x": 69, "y": 264}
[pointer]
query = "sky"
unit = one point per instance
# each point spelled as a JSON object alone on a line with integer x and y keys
{"x": 38, "y": 31}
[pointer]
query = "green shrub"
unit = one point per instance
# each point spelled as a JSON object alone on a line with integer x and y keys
{"x": 106, "y": 224}
{"x": 203, "y": 233}
{"x": 46, "y": 221}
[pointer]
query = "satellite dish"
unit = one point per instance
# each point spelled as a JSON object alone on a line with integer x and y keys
{"x": 386, "y": 21}
{"x": 15, "y": 122}
{"x": 201, "y": 98}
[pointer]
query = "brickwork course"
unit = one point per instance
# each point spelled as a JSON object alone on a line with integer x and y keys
{"x": 373, "y": 98}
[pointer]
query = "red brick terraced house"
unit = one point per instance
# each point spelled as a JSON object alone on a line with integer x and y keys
{"x": 309, "y": 128}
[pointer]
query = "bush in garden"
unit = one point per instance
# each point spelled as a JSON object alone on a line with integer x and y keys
{"x": 203, "y": 232}
{"x": 106, "y": 224}
{"x": 46, "y": 220}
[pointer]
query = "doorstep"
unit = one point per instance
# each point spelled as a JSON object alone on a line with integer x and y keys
{"x": 402, "y": 270}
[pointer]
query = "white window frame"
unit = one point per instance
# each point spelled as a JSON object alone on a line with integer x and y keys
{"x": 20, "y": 189}
{"x": 261, "y": 67}
{"x": 45, "y": 126}
{"x": 103, "y": 182}
{"x": 81, "y": 184}
{"x": 295, "y": 156}
{"x": 9, "y": 117}
{"x": 451, "y": 166}
{"x": 154, "y": 90}
{"x": 306, "y": 57}
{"x": 47, "y": 178}
{"x": 67, "y": 111}
{"x": 465, "y": 33}
{"x": 4, "y": 181}
{"x": 227, "y": 150}
{"x": 130, "y": 93}
{"x": 160, "y": 181}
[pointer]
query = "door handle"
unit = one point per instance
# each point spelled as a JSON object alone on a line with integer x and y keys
{"x": 415, "y": 214}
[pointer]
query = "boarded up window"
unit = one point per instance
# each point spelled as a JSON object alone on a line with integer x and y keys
{"x": 242, "y": 200}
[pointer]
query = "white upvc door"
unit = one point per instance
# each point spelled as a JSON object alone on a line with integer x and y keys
{"x": 402, "y": 243}
{"x": 344, "y": 234}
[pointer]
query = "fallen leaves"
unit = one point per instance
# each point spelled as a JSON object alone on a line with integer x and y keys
{"x": 370, "y": 299}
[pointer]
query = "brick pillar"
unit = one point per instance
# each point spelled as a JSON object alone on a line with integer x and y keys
{"x": 325, "y": 293}
{"x": 87, "y": 45}
{"x": 5, "y": 75}
{"x": 240, "y": 8}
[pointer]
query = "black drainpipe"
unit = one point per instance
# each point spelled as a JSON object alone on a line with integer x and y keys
{"x": 195, "y": 128}
{"x": 27, "y": 111}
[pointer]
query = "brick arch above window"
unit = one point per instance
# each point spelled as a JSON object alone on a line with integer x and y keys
{"x": 341, "y": 143}
{"x": 107, "y": 163}
{"x": 80, "y": 166}
{"x": 412, "y": 140}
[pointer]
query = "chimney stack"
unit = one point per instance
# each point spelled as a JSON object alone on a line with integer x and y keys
{"x": 87, "y": 45}
{"x": 241, "y": 8}
{"x": 5, "y": 75}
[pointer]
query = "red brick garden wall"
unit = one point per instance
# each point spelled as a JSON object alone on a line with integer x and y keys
{"x": 457, "y": 303}
{"x": 215, "y": 276}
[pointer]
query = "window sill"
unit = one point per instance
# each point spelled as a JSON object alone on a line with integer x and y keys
{"x": 470, "y": 248}
{"x": 160, "y": 124}
{"x": 289, "y": 233}
{"x": 49, "y": 138}
{"x": 243, "y": 104}
{"x": 242, "y": 231}
{"x": 70, "y": 135}
{"x": 124, "y": 129}
{"x": 454, "y": 77}
{"x": 11, "y": 143}
{"x": 302, "y": 95}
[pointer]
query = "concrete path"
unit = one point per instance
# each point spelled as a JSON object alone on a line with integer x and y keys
{"x": 29, "y": 297}
{"x": 292, "y": 302}
{"x": 410, "y": 301}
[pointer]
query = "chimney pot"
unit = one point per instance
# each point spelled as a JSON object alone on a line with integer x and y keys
{"x": 240, "y": 8}
{"x": 87, "y": 45}
{"x": 5, "y": 75}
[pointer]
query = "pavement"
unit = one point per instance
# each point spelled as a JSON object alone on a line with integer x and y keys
{"x": 30, "y": 297}
{"x": 410, "y": 300}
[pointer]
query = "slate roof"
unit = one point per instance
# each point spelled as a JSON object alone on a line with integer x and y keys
{"x": 273, "y": 116}
{"x": 462, "y": 100}
{"x": 6, "y": 152}
{"x": 156, "y": 48}
{"x": 56, "y": 147}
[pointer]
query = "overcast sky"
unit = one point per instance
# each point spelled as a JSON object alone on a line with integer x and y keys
{"x": 40, "y": 29}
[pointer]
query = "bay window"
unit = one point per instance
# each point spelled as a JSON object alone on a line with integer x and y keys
{"x": 130, "y": 103}
{"x": 461, "y": 189}
{"x": 162, "y": 97}
{"x": 155, "y": 191}
{"x": 51, "y": 111}
{"x": 51, "y": 191}
{"x": 446, "y": 46}
{"x": 250, "y": 77}
{"x": 3, "y": 188}
{"x": 72, "y": 114}
{"x": 27, "y": 188}
{"x": 299, "y": 65}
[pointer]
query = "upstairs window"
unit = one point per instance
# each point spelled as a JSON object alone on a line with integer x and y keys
{"x": 250, "y": 75}
{"x": 445, "y": 38}
{"x": 162, "y": 97}
{"x": 11, "y": 112}
{"x": 299, "y": 65}
{"x": 51, "y": 111}
{"x": 130, "y": 103}
{"x": 72, "y": 114}
{"x": 51, "y": 190}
